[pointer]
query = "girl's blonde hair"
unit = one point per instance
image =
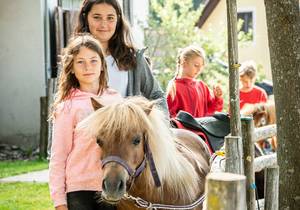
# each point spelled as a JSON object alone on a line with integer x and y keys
{"x": 67, "y": 80}
{"x": 184, "y": 54}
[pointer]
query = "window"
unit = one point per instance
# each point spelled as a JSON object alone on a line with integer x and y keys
{"x": 127, "y": 9}
{"x": 69, "y": 4}
{"x": 246, "y": 27}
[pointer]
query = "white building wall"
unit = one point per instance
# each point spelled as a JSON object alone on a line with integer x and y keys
{"x": 22, "y": 71}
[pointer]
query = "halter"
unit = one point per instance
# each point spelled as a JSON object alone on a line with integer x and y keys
{"x": 133, "y": 173}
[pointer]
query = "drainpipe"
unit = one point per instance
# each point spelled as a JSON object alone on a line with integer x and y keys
{"x": 47, "y": 66}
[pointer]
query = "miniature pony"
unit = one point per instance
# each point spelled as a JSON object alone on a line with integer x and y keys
{"x": 143, "y": 157}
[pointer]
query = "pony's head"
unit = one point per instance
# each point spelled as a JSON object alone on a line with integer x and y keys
{"x": 260, "y": 115}
{"x": 263, "y": 113}
{"x": 125, "y": 132}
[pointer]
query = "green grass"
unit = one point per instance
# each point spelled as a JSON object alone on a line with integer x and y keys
{"x": 11, "y": 168}
{"x": 25, "y": 196}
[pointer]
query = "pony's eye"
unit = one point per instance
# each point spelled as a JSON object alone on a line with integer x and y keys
{"x": 100, "y": 142}
{"x": 136, "y": 141}
{"x": 263, "y": 121}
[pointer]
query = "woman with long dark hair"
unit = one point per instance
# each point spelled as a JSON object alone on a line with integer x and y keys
{"x": 129, "y": 72}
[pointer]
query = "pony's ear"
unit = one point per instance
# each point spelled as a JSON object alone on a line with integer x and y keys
{"x": 96, "y": 104}
{"x": 149, "y": 108}
{"x": 260, "y": 107}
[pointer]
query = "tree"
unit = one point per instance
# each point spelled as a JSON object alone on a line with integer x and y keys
{"x": 283, "y": 22}
{"x": 171, "y": 27}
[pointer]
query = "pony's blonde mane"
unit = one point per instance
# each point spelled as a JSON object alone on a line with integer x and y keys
{"x": 174, "y": 170}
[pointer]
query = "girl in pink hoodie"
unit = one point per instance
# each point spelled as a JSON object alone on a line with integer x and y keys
{"x": 75, "y": 168}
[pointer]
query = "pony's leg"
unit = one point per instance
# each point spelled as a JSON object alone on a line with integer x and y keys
{"x": 261, "y": 144}
{"x": 274, "y": 143}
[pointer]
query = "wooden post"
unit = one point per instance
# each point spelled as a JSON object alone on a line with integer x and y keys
{"x": 43, "y": 127}
{"x": 234, "y": 155}
{"x": 271, "y": 188}
{"x": 59, "y": 34}
{"x": 59, "y": 29}
{"x": 70, "y": 19}
{"x": 248, "y": 149}
{"x": 225, "y": 191}
{"x": 235, "y": 120}
{"x": 51, "y": 89}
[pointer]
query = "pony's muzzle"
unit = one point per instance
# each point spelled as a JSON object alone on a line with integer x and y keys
{"x": 113, "y": 184}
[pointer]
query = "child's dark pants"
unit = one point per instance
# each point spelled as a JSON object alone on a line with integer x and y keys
{"x": 86, "y": 200}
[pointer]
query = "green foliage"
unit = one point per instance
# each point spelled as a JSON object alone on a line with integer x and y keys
{"x": 171, "y": 27}
{"x": 242, "y": 35}
{"x": 24, "y": 196}
{"x": 11, "y": 168}
{"x": 260, "y": 75}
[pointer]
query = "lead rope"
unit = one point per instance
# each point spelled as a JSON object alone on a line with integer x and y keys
{"x": 141, "y": 203}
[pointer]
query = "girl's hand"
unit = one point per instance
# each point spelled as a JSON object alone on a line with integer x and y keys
{"x": 218, "y": 91}
{"x": 62, "y": 207}
{"x": 248, "y": 109}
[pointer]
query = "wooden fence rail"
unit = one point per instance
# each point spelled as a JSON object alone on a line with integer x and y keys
{"x": 240, "y": 160}
{"x": 264, "y": 132}
{"x": 250, "y": 135}
{"x": 265, "y": 161}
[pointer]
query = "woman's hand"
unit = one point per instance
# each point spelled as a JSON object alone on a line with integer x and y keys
{"x": 62, "y": 207}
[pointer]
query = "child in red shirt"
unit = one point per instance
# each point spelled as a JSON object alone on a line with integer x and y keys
{"x": 250, "y": 93}
{"x": 186, "y": 93}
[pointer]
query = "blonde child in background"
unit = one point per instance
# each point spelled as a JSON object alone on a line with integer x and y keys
{"x": 186, "y": 93}
{"x": 75, "y": 166}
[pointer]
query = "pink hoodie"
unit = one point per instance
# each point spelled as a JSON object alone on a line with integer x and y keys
{"x": 75, "y": 159}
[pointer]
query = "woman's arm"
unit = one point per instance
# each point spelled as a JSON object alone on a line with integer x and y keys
{"x": 150, "y": 87}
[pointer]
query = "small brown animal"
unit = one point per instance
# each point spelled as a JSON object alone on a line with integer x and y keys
{"x": 263, "y": 114}
{"x": 127, "y": 132}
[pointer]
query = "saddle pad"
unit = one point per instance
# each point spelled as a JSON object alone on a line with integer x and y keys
{"x": 217, "y": 125}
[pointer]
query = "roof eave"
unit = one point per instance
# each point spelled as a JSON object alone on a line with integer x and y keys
{"x": 208, "y": 9}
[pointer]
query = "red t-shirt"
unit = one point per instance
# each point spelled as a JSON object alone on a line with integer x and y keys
{"x": 193, "y": 96}
{"x": 256, "y": 95}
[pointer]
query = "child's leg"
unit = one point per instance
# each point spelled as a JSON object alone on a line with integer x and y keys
{"x": 80, "y": 200}
{"x": 86, "y": 200}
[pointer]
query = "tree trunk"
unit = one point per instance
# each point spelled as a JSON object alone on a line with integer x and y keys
{"x": 283, "y": 21}
{"x": 235, "y": 120}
